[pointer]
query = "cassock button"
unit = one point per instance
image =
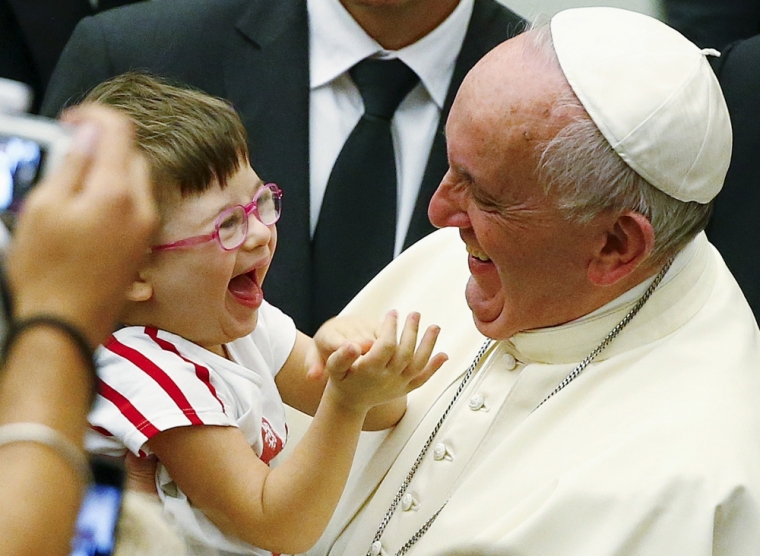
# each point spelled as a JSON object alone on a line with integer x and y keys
{"x": 408, "y": 502}
{"x": 441, "y": 452}
{"x": 509, "y": 361}
{"x": 476, "y": 402}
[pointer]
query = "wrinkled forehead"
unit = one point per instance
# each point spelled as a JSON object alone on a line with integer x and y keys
{"x": 508, "y": 103}
{"x": 515, "y": 78}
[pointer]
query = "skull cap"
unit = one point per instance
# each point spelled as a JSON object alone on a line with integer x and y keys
{"x": 652, "y": 94}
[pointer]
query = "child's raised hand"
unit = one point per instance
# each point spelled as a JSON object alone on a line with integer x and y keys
{"x": 389, "y": 369}
{"x": 335, "y": 334}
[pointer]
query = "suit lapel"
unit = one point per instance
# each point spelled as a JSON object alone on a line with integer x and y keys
{"x": 267, "y": 77}
{"x": 490, "y": 24}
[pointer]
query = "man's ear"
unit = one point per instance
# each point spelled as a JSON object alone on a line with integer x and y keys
{"x": 629, "y": 242}
{"x": 140, "y": 289}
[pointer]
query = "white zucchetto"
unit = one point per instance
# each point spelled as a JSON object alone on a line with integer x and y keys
{"x": 652, "y": 94}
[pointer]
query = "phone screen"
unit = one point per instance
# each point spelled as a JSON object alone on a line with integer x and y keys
{"x": 99, "y": 513}
{"x": 21, "y": 161}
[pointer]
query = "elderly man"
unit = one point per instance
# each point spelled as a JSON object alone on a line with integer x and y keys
{"x": 607, "y": 398}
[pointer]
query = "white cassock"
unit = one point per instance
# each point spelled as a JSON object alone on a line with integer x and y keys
{"x": 654, "y": 449}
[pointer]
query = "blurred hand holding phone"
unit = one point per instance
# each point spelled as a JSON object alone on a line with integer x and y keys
{"x": 29, "y": 145}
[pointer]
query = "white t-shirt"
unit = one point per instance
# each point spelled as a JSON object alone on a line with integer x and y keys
{"x": 152, "y": 381}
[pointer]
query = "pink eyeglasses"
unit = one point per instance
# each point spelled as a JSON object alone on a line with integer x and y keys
{"x": 231, "y": 228}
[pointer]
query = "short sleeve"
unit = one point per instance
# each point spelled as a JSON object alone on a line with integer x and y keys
{"x": 147, "y": 385}
{"x": 274, "y": 336}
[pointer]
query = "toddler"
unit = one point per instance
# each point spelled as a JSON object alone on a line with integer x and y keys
{"x": 200, "y": 370}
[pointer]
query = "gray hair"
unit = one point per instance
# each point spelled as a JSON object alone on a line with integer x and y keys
{"x": 589, "y": 177}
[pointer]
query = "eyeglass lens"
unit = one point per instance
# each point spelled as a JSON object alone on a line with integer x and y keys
{"x": 233, "y": 224}
{"x": 232, "y": 227}
{"x": 268, "y": 206}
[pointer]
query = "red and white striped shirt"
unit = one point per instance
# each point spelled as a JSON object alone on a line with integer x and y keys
{"x": 152, "y": 381}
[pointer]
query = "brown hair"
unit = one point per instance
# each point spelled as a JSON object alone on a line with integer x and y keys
{"x": 189, "y": 138}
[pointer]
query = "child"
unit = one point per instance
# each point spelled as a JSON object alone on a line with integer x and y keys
{"x": 199, "y": 373}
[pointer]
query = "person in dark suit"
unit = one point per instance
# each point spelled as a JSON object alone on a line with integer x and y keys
{"x": 712, "y": 24}
{"x": 33, "y": 34}
{"x": 735, "y": 226}
{"x": 258, "y": 53}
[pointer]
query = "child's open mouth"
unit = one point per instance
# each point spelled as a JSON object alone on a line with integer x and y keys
{"x": 246, "y": 290}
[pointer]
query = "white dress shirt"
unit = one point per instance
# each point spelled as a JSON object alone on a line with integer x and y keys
{"x": 337, "y": 43}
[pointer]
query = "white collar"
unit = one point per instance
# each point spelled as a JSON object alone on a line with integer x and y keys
{"x": 683, "y": 291}
{"x": 337, "y": 43}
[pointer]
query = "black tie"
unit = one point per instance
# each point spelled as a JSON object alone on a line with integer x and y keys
{"x": 356, "y": 230}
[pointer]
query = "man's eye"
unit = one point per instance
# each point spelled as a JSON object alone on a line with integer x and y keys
{"x": 487, "y": 205}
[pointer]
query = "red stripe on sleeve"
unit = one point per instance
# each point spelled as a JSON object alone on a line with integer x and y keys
{"x": 200, "y": 371}
{"x": 157, "y": 374}
{"x": 128, "y": 410}
{"x": 101, "y": 430}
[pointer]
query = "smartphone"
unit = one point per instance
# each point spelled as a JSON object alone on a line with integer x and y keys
{"x": 29, "y": 147}
{"x": 98, "y": 518}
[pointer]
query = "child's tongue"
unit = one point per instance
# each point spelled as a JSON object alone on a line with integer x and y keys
{"x": 245, "y": 289}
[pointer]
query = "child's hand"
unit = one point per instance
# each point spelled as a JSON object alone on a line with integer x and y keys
{"x": 336, "y": 333}
{"x": 389, "y": 369}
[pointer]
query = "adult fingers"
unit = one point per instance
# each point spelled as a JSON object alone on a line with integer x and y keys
{"x": 141, "y": 473}
{"x": 69, "y": 175}
{"x": 104, "y": 138}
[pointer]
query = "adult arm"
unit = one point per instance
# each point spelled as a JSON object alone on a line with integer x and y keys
{"x": 76, "y": 247}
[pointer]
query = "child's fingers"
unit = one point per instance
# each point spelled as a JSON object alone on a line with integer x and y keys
{"x": 384, "y": 348}
{"x": 408, "y": 342}
{"x": 421, "y": 357}
{"x": 432, "y": 366}
{"x": 340, "y": 361}
{"x": 333, "y": 334}
{"x": 330, "y": 339}
{"x": 316, "y": 370}
{"x": 313, "y": 362}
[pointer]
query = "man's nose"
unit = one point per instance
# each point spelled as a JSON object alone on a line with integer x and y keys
{"x": 446, "y": 208}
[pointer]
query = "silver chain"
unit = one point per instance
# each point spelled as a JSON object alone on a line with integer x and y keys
{"x": 405, "y": 484}
{"x": 613, "y": 333}
{"x": 376, "y": 546}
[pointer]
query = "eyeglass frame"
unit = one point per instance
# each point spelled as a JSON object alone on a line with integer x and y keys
{"x": 251, "y": 207}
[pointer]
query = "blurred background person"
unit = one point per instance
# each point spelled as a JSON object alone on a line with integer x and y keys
{"x": 33, "y": 34}
{"x": 711, "y": 23}
{"x": 734, "y": 220}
